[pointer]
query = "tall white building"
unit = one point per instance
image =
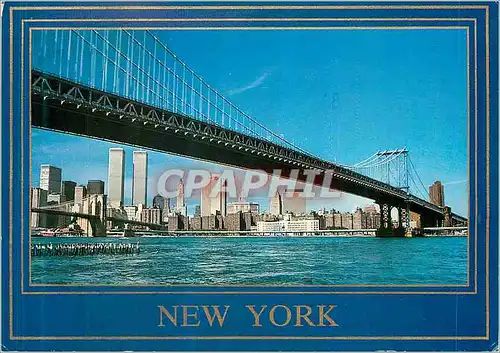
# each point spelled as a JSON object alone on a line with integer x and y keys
{"x": 140, "y": 178}
{"x": 50, "y": 179}
{"x": 38, "y": 199}
{"x": 211, "y": 205}
{"x": 116, "y": 177}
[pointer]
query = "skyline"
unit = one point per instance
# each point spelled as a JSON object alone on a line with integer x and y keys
{"x": 418, "y": 85}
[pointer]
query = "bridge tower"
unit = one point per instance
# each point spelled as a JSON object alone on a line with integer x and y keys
{"x": 94, "y": 205}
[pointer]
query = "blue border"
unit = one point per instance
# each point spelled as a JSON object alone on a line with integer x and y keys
{"x": 358, "y": 315}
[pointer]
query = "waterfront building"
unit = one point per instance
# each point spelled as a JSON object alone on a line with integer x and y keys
{"x": 209, "y": 222}
{"x": 436, "y": 193}
{"x": 116, "y": 177}
{"x": 195, "y": 223}
{"x": 80, "y": 194}
{"x": 151, "y": 215}
{"x": 68, "y": 190}
{"x": 50, "y": 179}
{"x": 276, "y": 205}
{"x": 358, "y": 219}
{"x": 95, "y": 187}
{"x": 347, "y": 220}
{"x": 234, "y": 221}
{"x": 140, "y": 177}
{"x": 294, "y": 202}
{"x": 248, "y": 220}
{"x": 178, "y": 222}
{"x": 242, "y": 206}
{"x": 38, "y": 199}
{"x": 305, "y": 225}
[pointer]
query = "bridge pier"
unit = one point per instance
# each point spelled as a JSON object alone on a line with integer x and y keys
{"x": 386, "y": 228}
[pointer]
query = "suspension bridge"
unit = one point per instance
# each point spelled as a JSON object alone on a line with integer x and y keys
{"x": 127, "y": 86}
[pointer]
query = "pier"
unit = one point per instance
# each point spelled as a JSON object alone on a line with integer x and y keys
{"x": 84, "y": 249}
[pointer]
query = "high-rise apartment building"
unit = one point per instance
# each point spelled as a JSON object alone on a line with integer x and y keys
{"x": 116, "y": 177}
{"x": 50, "y": 179}
{"x": 436, "y": 193}
{"x": 95, "y": 187}
{"x": 140, "y": 177}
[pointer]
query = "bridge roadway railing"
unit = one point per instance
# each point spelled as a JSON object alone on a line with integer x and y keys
{"x": 67, "y": 92}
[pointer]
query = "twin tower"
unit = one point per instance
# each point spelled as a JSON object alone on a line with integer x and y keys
{"x": 116, "y": 177}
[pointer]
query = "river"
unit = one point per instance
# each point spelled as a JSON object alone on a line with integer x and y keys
{"x": 262, "y": 261}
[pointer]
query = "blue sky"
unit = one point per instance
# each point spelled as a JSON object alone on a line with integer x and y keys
{"x": 339, "y": 94}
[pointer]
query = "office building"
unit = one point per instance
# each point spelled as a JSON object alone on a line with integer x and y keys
{"x": 140, "y": 178}
{"x": 162, "y": 203}
{"x": 50, "y": 179}
{"x": 116, "y": 177}
{"x": 294, "y": 202}
{"x": 38, "y": 199}
{"x": 197, "y": 210}
{"x": 242, "y": 206}
{"x": 436, "y": 194}
{"x": 80, "y": 194}
{"x": 180, "y": 195}
{"x": 95, "y": 187}
{"x": 276, "y": 205}
{"x": 68, "y": 190}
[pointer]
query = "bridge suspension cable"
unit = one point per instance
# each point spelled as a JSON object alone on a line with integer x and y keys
{"x": 395, "y": 168}
{"x": 138, "y": 65}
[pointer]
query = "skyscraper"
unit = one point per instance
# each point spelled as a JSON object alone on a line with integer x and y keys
{"x": 218, "y": 203}
{"x": 140, "y": 178}
{"x": 68, "y": 190}
{"x": 50, "y": 179}
{"x": 180, "y": 195}
{"x": 436, "y": 193}
{"x": 95, "y": 187}
{"x": 80, "y": 194}
{"x": 276, "y": 205}
{"x": 38, "y": 199}
{"x": 116, "y": 177}
{"x": 294, "y": 202}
